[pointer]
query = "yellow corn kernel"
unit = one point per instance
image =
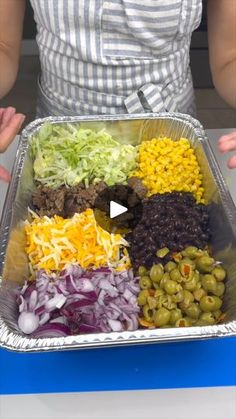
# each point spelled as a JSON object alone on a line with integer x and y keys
{"x": 166, "y": 165}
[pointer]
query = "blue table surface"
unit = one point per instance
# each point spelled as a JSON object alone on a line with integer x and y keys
{"x": 204, "y": 363}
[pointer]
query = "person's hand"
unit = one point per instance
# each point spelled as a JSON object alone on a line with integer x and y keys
{"x": 10, "y": 124}
{"x": 228, "y": 143}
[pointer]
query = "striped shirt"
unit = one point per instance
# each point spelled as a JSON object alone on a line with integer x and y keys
{"x": 116, "y": 56}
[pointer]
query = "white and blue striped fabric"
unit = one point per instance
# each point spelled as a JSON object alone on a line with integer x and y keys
{"x": 116, "y": 56}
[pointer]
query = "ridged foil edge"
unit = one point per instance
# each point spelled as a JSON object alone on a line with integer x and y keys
{"x": 16, "y": 342}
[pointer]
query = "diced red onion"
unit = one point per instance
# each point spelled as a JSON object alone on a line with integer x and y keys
{"x": 78, "y": 304}
{"x": 60, "y": 319}
{"x": 134, "y": 288}
{"x": 28, "y": 322}
{"x": 115, "y": 307}
{"x": 115, "y": 325}
{"x": 121, "y": 287}
{"x": 44, "y": 318}
{"x": 33, "y": 300}
{"x": 56, "y": 302}
{"x": 52, "y": 330}
{"x": 132, "y": 322}
{"x": 40, "y": 310}
{"x": 127, "y": 294}
{"x": 61, "y": 288}
{"x": 24, "y": 288}
{"x": 131, "y": 274}
{"x": 100, "y": 300}
{"x": 101, "y": 297}
{"x": 103, "y": 270}
{"x": 22, "y": 304}
{"x": 106, "y": 286}
{"x": 85, "y": 285}
{"x": 88, "y": 328}
{"x": 70, "y": 284}
{"x": 31, "y": 287}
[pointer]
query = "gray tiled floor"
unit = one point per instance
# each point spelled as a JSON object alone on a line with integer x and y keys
{"x": 213, "y": 112}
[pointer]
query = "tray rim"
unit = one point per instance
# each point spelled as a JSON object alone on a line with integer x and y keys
{"x": 7, "y": 340}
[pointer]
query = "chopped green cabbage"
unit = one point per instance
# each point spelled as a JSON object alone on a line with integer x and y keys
{"x": 67, "y": 155}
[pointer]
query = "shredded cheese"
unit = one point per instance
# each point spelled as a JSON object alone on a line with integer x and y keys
{"x": 54, "y": 242}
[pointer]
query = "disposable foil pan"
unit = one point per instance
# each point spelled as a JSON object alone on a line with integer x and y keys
{"x": 129, "y": 129}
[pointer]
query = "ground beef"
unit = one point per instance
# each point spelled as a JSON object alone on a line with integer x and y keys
{"x": 65, "y": 201}
{"x": 47, "y": 201}
{"x": 172, "y": 220}
{"x": 123, "y": 195}
{"x": 137, "y": 185}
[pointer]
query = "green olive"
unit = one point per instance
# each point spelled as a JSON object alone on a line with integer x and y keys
{"x": 191, "y": 285}
{"x": 218, "y": 302}
{"x": 178, "y": 297}
{"x": 142, "y": 297}
{"x": 209, "y": 282}
{"x": 188, "y": 261}
{"x": 193, "y": 311}
{"x": 168, "y": 302}
{"x": 190, "y": 320}
{"x": 220, "y": 289}
{"x": 142, "y": 270}
{"x": 210, "y": 303}
{"x": 175, "y": 315}
{"x": 191, "y": 252}
{"x": 145, "y": 282}
{"x": 159, "y": 292}
{"x": 156, "y": 272}
{"x": 169, "y": 266}
{"x": 183, "y": 322}
{"x": 161, "y": 253}
{"x": 164, "y": 279}
{"x": 148, "y": 313}
{"x": 205, "y": 264}
{"x": 162, "y": 300}
{"x": 217, "y": 314}
{"x": 161, "y": 317}
{"x": 152, "y": 302}
{"x": 188, "y": 297}
{"x": 208, "y": 318}
{"x": 178, "y": 287}
{"x": 186, "y": 268}
{"x": 198, "y": 285}
{"x": 196, "y": 275}
{"x": 156, "y": 285}
{"x": 219, "y": 273}
{"x": 177, "y": 257}
{"x": 175, "y": 275}
{"x": 199, "y": 293}
{"x": 170, "y": 287}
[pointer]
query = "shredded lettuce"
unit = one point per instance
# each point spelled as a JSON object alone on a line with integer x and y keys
{"x": 68, "y": 154}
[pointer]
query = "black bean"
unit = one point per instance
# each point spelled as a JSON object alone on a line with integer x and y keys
{"x": 172, "y": 220}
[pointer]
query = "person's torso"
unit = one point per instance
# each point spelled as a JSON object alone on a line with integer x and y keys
{"x": 116, "y": 56}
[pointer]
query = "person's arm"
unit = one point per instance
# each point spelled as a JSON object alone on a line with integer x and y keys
{"x": 222, "y": 47}
{"x": 11, "y": 26}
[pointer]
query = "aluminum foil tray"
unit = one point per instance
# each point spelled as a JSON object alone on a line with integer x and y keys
{"x": 130, "y": 129}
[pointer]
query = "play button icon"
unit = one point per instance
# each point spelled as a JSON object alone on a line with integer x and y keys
{"x": 116, "y": 209}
